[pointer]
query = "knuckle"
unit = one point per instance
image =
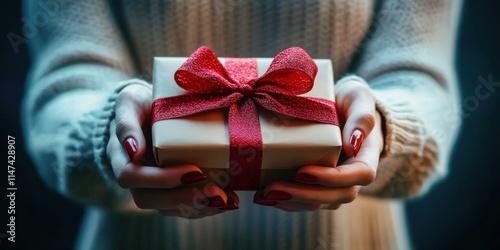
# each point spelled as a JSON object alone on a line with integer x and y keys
{"x": 352, "y": 194}
{"x": 122, "y": 181}
{"x": 125, "y": 95}
{"x": 368, "y": 119}
{"x": 369, "y": 174}
{"x": 145, "y": 95}
{"x": 336, "y": 171}
{"x": 357, "y": 87}
{"x": 123, "y": 177}
{"x": 134, "y": 93}
{"x": 122, "y": 127}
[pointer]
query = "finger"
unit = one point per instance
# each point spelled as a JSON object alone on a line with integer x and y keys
{"x": 191, "y": 214}
{"x": 180, "y": 198}
{"x": 293, "y": 206}
{"x": 231, "y": 194}
{"x": 135, "y": 175}
{"x": 356, "y": 105}
{"x": 233, "y": 201}
{"x": 360, "y": 170}
{"x": 286, "y": 191}
{"x": 132, "y": 109}
{"x": 356, "y": 172}
{"x": 197, "y": 212}
{"x": 331, "y": 206}
{"x": 115, "y": 153}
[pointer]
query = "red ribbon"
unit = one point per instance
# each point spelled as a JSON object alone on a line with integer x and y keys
{"x": 238, "y": 87}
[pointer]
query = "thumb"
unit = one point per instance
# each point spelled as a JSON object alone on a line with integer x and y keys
{"x": 132, "y": 109}
{"x": 356, "y": 106}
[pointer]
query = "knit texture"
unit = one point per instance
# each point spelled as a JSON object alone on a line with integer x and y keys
{"x": 88, "y": 51}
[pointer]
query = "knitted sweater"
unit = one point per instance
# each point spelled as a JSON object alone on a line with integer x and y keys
{"x": 85, "y": 52}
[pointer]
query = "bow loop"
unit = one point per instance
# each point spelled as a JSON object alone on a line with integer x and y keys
{"x": 292, "y": 72}
{"x": 203, "y": 73}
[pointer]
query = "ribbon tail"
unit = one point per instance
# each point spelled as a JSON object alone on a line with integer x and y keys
{"x": 184, "y": 105}
{"x": 245, "y": 140}
{"x": 306, "y": 108}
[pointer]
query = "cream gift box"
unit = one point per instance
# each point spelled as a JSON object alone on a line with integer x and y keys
{"x": 202, "y": 139}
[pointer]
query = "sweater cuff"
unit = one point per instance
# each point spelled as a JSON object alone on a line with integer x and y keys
{"x": 100, "y": 139}
{"x": 408, "y": 159}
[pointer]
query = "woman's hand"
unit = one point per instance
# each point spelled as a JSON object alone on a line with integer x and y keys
{"x": 318, "y": 187}
{"x": 173, "y": 191}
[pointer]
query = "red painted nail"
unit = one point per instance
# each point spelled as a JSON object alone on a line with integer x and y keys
{"x": 231, "y": 205}
{"x": 265, "y": 202}
{"x": 278, "y": 195}
{"x": 214, "y": 202}
{"x": 258, "y": 198}
{"x": 306, "y": 178}
{"x": 356, "y": 141}
{"x": 131, "y": 148}
{"x": 192, "y": 177}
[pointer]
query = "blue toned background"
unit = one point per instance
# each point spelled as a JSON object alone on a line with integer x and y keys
{"x": 462, "y": 212}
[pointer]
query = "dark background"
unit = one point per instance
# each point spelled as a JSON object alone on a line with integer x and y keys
{"x": 462, "y": 212}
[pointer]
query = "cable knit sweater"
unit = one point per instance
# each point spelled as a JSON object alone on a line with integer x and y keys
{"x": 87, "y": 51}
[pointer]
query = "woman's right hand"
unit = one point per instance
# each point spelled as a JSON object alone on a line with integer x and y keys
{"x": 174, "y": 190}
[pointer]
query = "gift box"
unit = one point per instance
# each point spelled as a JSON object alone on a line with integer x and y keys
{"x": 245, "y": 121}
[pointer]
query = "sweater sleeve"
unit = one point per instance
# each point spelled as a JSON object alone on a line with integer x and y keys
{"x": 409, "y": 63}
{"x": 80, "y": 63}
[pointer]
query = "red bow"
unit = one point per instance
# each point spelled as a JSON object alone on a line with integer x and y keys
{"x": 238, "y": 87}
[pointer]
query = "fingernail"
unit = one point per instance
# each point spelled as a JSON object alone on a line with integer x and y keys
{"x": 278, "y": 195}
{"x": 258, "y": 198}
{"x": 306, "y": 178}
{"x": 231, "y": 205}
{"x": 265, "y": 203}
{"x": 356, "y": 140}
{"x": 192, "y": 177}
{"x": 131, "y": 147}
{"x": 214, "y": 202}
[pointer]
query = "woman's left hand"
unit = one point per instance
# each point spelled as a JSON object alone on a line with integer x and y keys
{"x": 318, "y": 187}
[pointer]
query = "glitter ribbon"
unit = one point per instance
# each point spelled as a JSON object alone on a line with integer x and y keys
{"x": 237, "y": 87}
